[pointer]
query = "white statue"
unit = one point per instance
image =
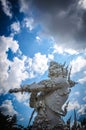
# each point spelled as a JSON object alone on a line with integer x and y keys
{"x": 48, "y": 96}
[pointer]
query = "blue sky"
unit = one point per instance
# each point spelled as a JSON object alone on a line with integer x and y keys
{"x": 33, "y": 33}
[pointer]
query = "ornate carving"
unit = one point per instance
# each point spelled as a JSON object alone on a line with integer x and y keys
{"x": 48, "y": 97}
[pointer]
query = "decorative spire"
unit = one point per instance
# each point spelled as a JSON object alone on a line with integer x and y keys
{"x": 69, "y": 74}
{"x": 75, "y": 120}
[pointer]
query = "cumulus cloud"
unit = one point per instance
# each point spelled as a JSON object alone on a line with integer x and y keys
{"x": 7, "y": 108}
{"x": 12, "y": 72}
{"x": 82, "y": 80}
{"x": 38, "y": 64}
{"x": 62, "y": 50}
{"x": 6, "y": 5}
{"x": 5, "y": 44}
{"x": 15, "y": 27}
{"x": 73, "y": 105}
{"x": 29, "y": 23}
{"x": 22, "y": 97}
{"x": 50, "y": 57}
{"x": 78, "y": 64}
{"x": 82, "y": 109}
{"x": 17, "y": 72}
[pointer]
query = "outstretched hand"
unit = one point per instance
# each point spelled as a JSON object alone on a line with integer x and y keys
{"x": 13, "y": 90}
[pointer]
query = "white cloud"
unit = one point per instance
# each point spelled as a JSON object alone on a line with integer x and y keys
{"x": 7, "y": 108}
{"x": 24, "y": 6}
{"x": 29, "y": 23}
{"x": 38, "y": 39}
{"x": 50, "y": 56}
{"x": 12, "y": 72}
{"x": 17, "y": 72}
{"x": 73, "y": 105}
{"x": 84, "y": 72}
{"x": 82, "y": 3}
{"x": 62, "y": 50}
{"x": 82, "y": 109}
{"x": 77, "y": 93}
{"x": 22, "y": 97}
{"x": 6, "y": 5}
{"x": 84, "y": 98}
{"x": 82, "y": 80}
{"x": 78, "y": 64}
{"x": 26, "y": 103}
{"x": 39, "y": 64}
{"x": 21, "y": 119}
{"x": 15, "y": 27}
{"x": 6, "y": 43}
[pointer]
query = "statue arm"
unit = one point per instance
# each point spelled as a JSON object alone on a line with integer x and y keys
{"x": 45, "y": 85}
{"x": 48, "y": 85}
{"x": 22, "y": 89}
{"x": 34, "y": 87}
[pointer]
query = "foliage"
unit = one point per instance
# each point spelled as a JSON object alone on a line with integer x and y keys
{"x": 9, "y": 122}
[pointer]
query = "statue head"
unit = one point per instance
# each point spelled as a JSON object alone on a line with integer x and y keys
{"x": 56, "y": 70}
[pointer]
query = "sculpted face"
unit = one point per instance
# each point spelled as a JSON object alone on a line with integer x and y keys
{"x": 56, "y": 70}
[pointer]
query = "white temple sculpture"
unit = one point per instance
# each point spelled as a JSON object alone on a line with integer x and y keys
{"x": 48, "y": 97}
